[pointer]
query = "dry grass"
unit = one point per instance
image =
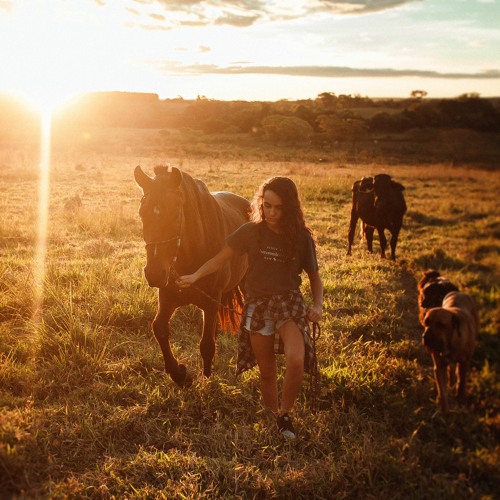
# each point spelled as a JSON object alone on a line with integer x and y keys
{"x": 86, "y": 411}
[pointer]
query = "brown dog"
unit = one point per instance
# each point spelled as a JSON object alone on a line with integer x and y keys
{"x": 432, "y": 289}
{"x": 450, "y": 337}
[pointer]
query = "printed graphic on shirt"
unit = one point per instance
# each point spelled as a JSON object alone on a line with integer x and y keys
{"x": 272, "y": 254}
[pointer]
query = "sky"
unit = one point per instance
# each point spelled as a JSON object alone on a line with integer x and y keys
{"x": 253, "y": 50}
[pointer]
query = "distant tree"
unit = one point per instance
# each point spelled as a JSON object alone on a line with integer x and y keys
{"x": 327, "y": 100}
{"x": 201, "y": 110}
{"x": 466, "y": 112}
{"x": 471, "y": 112}
{"x": 244, "y": 115}
{"x": 343, "y": 128}
{"x": 271, "y": 126}
{"x": 305, "y": 113}
{"x": 357, "y": 101}
{"x": 418, "y": 94}
{"x": 355, "y": 130}
{"x": 395, "y": 122}
{"x": 344, "y": 100}
{"x": 424, "y": 114}
{"x": 468, "y": 95}
{"x": 287, "y": 129}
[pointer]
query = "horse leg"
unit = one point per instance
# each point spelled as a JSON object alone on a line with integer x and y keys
{"x": 383, "y": 241}
{"x": 369, "y": 237}
{"x": 394, "y": 241}
{"x": 207, "y": 343}
{"x": 161, "y": 330}
{"x": 352, "y": 230}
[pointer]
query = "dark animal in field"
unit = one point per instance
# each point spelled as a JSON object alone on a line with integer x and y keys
{"x": 184, "y": 225}
{"x": 379, "y": 203}
{"x": 432, "y": 289}
{"x": 450, "y": 337}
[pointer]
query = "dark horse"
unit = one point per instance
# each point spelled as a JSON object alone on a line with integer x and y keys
{"x": 379, "y": 202}
{"x": 183, "y": 226}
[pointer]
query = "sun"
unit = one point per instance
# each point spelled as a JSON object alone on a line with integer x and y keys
{"x": 55, "y": 50}
{"x": 30, "y": 43}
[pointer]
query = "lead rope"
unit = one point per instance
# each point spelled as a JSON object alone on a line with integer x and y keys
{"x": 316, "y": 333}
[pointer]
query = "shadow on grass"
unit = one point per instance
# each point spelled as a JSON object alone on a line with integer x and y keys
{"x": 424, "y": 219}
{"x": 438, "y": 259}
{"x": 387, "y": 310}
{"x": 487, "y": 351}
{"x": 436, "y": 447}
{"x": 430, "y": 220}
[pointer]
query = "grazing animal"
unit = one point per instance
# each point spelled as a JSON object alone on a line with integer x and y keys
{"x": 379, "y": 203}
{"x": 432, "y": 289}
{"x": 450, "y": 337}
{"x": 183, "y": 226}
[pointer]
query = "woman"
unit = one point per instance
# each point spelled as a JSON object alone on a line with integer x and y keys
{"x": 279, "y": 246}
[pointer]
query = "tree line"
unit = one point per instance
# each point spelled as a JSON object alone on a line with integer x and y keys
{"x": 330, "y": 118}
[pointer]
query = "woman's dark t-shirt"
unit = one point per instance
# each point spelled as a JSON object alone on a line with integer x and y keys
{"x": 269, "y": 272}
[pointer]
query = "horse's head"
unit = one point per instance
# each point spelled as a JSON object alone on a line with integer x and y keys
{"x": 162, "y": 217}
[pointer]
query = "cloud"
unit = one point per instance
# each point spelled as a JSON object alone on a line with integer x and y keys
{"x": 245, "y": 13}
{"x": 321, "y": 71}
{"x": 134, "y": 12}
{"x": 157, "y": 17}
{"x": 237, "y": 21}
{"x": 360, "y": 6}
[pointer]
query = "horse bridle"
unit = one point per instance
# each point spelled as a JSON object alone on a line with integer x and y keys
{"x": 156, "y": 244}
{"x": 176, "y": 238}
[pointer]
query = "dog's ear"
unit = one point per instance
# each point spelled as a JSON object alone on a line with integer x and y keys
{"x": 455, "y": 321}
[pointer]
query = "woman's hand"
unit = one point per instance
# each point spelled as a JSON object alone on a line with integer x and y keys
{"x": 186, "y": 281}
{"x": 210, "y": 266}
{"x": 314, "y": 314}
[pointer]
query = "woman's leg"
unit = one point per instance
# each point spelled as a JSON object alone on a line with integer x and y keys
{"x": 263, "y": 349}
{"x": 293, "y": 341}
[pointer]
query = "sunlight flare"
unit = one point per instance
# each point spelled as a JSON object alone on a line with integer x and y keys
{"x": 39, "y": 265}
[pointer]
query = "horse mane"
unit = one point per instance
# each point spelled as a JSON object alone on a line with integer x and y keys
{"x": 205, "y": 233}
{"x": 203, "y": 220}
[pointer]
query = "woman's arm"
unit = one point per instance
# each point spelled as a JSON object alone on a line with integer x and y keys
{"x": 315, "y": 311}
{"x": 210, "y": 266}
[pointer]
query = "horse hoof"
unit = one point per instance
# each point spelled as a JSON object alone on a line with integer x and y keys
{"x": 182, "y": 378}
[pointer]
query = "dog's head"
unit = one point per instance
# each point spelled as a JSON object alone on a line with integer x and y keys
{"x": 432, "y": 288}
{"x": 441, "y": 332}
{"x": 433, "y": 293}
{"x": 429, "y": 276}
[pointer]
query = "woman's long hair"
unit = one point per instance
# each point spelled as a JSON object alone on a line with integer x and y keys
{"x": 292, "y": 221}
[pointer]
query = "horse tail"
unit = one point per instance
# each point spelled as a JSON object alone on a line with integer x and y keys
{"x": 230, "y": 309}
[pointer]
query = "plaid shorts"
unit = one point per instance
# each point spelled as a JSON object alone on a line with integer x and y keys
{"x": 270, "y": 326}
{"x": 275, "y": 309}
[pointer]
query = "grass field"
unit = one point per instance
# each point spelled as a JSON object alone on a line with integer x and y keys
{"x": 86, "y": 410}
